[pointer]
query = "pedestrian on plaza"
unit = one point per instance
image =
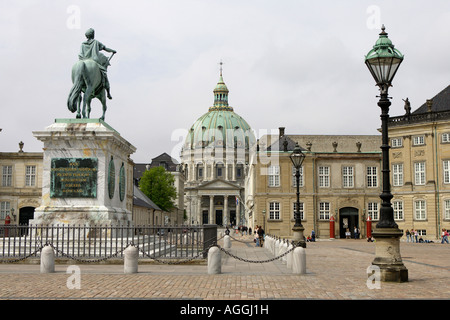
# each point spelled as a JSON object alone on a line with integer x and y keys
{"x": 313, "y": 236}
{"x": 444, "y": 236}
{"x": 412, "y": 235}
{"x": 347, "y": 234}
{"x": 416, "y": 235}
{"x": 356, "y": 233}
{"x": 261, "y": 236}
{"x": 408, "y": 235}
{"x": 256, "y": 236}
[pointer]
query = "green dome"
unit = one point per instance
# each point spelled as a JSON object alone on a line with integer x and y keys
{"x": 220, "y": 126}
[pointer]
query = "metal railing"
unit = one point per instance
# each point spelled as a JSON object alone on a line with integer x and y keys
{"x": 102, "y": 242}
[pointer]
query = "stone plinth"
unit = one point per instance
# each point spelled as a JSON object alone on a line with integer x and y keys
{"x": 387, "y": 255}
{"x": 84, "y": 174}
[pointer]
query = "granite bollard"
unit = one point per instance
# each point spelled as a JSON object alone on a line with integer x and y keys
{"x": 214, "y": 261}
{"x": 299, "y": 261}
{"x": 227, "y": 242}
{"x": 47, "y": 260}
{"x": 130, "y": 262}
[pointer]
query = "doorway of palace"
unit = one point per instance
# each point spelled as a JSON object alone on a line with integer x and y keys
{"x": 205, "y": 217}
{"x": 219, "y": 217}
{"x": 25, "y": 215}
{"x": 348, "y": 220}
{"x": 233, "y": 217}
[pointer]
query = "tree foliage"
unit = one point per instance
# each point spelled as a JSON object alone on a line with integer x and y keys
{"x": 158, "y": 185}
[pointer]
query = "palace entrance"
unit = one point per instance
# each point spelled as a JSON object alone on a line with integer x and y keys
{"x": 348, "y": 219}
{"x": 219, "y": 217}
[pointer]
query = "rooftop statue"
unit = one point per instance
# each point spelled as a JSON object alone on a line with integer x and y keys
{"x": 89, "y": 75}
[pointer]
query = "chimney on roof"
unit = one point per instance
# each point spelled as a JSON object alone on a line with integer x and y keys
{"x": 429, "y": 104}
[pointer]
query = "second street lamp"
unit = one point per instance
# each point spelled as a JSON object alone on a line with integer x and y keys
{"x": 383, "y": 62}
{"x": 297, "y": 158}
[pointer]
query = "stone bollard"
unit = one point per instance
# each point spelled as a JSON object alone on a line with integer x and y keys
{"x": 47, "y": 260}
{"x": 283, "y": 250}
{"x": 214, "y": 261}
{"x": 289, "y": 257}
{"x": 130, "y": 262}
{"x": 276, "y": 248}
{"x": 227, "y": 242}
{"x": 299, "y": 261}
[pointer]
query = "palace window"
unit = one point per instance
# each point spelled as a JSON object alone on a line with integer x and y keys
{"x": 419, "y": 140}
{"x": 397, "y": 174}
{"x": 372, "y": 210}
{"x": 5, "y": 208}
{"x": 324, "y": 211}
{"x": 396, "y": 142}
{"x": 7, "y": 176}
{"x": 445, "y": 138}
{"x": 420, "y": 210}
{"x": 274, "y": 211}
{"x": 447, "y": 210}
{"x": 347, "y": 177}
{"x": 398, "y": 210}
{"x": 446, "y": 171}
{"x": 419, "y": 173}
{"x": 324, "y": 176}
{"x": 372, "y": 179}
{"x": 274, "y": 176}
{"x": 30, "y": 176}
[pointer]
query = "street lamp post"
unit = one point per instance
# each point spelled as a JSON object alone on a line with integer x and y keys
{"x": 383, "y": 62}
{"x": 297, "y": 158}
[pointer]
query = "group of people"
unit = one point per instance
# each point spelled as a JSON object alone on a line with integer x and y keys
{"x": 412, "y": 236}
{"x": 348, "y": 234}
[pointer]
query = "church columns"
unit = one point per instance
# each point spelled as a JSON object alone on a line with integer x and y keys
{"x": 225, "y": 210}
{"x": 199, "y": 210}
{"x": 238, "y": 212}
{"x": 211, "y": 210}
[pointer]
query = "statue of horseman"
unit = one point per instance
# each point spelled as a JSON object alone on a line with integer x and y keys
{"x": 89, "y": 75}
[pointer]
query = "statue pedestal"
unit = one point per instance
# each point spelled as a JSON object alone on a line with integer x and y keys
{"x": 87, "y": 179}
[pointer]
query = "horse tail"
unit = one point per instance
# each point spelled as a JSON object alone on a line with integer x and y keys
{"x": 75, "y": 92}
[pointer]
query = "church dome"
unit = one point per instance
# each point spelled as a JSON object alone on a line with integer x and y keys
{"x": 220, "y": 126}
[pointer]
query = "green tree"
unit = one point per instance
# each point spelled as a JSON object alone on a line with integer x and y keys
{"x": 158, "y": 185}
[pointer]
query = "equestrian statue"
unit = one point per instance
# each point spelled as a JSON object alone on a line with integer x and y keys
{"x": 89, "y": 76}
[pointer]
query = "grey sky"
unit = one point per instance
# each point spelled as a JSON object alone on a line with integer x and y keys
{"x": 292, "y": 63}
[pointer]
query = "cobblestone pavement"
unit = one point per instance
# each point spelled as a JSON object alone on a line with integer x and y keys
{"x": 336, "y": 270}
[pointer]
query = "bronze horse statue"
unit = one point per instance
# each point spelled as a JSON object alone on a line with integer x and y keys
{"x": 86, "y": 78}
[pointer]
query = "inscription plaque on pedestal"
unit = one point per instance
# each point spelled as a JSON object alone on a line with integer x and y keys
{"x": 73, "y": 178}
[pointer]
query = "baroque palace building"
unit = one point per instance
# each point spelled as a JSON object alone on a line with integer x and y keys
{"x": 215, "y": 159}
{"x": 340, "y": 178}
{"x": 420, "y": 166}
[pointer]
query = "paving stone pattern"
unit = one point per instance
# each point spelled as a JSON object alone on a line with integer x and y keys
{"x": 336, "y": 270}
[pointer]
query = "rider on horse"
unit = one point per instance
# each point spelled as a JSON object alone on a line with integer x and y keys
{"x": 90, "y": 49}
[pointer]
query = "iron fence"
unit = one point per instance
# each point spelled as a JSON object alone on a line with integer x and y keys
{"x": 94, "y": 242}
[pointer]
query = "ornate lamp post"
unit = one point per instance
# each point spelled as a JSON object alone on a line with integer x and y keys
{"x": 297, "y": 158}
{"x": 383, "y": 62}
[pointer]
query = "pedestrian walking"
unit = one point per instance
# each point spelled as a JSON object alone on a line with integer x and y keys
{"x": 444, "y": 236}
{"x": 356, "y": 233}
{"x": 261, "y": 236}
{"x": 408, "y": 235}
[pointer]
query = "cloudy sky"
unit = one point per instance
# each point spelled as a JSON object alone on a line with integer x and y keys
{"x": 292, "y": 63}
